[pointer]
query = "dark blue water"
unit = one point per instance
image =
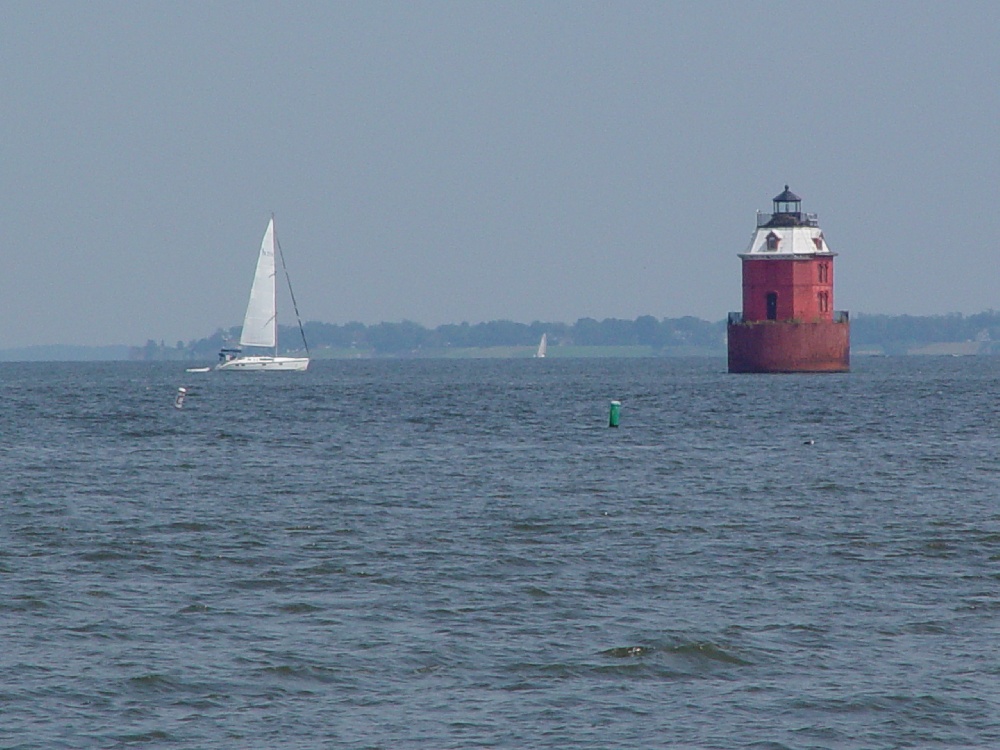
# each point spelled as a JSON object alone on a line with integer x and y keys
{"x": 461, "y": 554}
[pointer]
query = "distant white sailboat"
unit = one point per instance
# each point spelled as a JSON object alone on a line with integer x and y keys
{"x": 260, "y": 325}
{"x": 543, "y": 345}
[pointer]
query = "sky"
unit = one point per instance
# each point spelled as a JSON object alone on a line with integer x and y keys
{"x": 442, "y": 162}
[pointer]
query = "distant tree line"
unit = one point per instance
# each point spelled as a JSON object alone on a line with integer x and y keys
{"x": 409, "y": 338}
{"x": 895, "y": 334}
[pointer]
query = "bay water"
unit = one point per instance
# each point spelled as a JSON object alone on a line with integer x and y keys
{"x": 462, "y": 554}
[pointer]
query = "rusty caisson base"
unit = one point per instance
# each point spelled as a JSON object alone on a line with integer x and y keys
{"x": 789, "y": 346}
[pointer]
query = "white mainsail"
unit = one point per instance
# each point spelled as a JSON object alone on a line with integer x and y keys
{"x": 260, "y": 323}
{"x": 542, "y": 346}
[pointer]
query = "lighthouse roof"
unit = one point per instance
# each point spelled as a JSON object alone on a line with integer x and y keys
{"x": 787, "y": 196}
{"x": 771, "y": 241}
{"x": 787, "y": 212}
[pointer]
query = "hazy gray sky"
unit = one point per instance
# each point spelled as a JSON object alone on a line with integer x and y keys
{"x": 450, "y": 161}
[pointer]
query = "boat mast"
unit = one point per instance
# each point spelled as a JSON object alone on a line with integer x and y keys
{"x": 274, "y": 291}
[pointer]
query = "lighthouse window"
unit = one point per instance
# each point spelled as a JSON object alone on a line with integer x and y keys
{"x": 824, "y": 273}
{"x": 772, "y": 241}
{"x": 824, "y": 302}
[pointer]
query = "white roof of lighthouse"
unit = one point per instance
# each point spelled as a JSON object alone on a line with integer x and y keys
{"x": 785, "y": 241}
{"x": 787, "y": 232}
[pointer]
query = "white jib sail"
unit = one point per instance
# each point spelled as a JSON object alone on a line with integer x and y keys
{"x": 260, "y": 324}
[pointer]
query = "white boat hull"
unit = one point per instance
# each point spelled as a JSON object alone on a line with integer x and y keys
{"x": 255, "y": 364}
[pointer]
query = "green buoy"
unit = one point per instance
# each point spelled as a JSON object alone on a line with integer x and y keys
{"x": 616, "y": 408}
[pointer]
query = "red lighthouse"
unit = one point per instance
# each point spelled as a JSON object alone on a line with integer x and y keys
{"x": 788, "y": 323}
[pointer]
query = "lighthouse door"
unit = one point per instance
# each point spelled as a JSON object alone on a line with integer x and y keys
{"x": 772, "y": 305}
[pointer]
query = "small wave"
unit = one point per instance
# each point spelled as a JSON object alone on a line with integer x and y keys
{"x": 828, "y": 486}
{"x": 265, "y": 582}
{"x": 154, "y": 683}
{"x": 428, "y": 669}
{"x": 144, "y": 738}
{"x": 323, "y": 569}
{"x": 534, "y": 527}
{"x": 937, "y": 548}
{"x": 694, "y": 650}
{"x": 906, "y": 705}
{"x": 103, "y": 630}
{"x": 187, "y": 526}
{"x": 536, "y": 592}
{"x": 302, "y": 672}
{"x": 627, "y": 652}
{"x": 707, "y": 651}
{"x": 232, "y": 437}
{"x": 102, "y": 555}
{"x": 146, "y": 433}
{"x": 25, "y": 603}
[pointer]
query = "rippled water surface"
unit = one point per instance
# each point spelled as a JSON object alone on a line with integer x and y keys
{"x": 461, "y": 554}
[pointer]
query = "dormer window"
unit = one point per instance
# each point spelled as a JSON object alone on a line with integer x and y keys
{"x": 818, "y": 242}
{"x": 772, "y": 241}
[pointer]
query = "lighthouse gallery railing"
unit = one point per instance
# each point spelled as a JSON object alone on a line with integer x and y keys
{"x": 736, "y": 318}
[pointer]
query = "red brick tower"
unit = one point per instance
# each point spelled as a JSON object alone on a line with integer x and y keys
{"x": 788, "y": 323}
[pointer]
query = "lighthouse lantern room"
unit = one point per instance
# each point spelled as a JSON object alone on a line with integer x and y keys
{"x": 788, "y": 323}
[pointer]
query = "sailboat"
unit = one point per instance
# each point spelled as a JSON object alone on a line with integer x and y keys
{"x": 260, "y": 325}
{"x": 542, "y": 346}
